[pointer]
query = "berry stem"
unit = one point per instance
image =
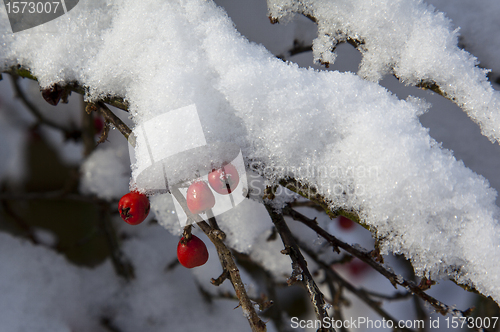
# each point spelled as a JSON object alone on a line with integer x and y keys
{"x": 228, "y": 264}
{"x": 186, "y": 234}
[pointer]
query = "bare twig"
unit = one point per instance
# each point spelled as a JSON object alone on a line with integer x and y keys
{"x": 275, "y": 311}
{"x": 115, "y": 101}
{"x": 110, "y": 117}
{"x": 300, "y": 270}
{"x": 336, "y": 295}
{"x": 50, "y": 195}
{"x": 368, "y": 258}
{"x": 360, "y": 293}
{"x": 68, "y": 133}
{"x": 20, "y": 222}
{"x": 104, "y": 134}
{"x": 394, "y": 297}
{"x": 228, "y": 265}
{"x": 88, "y": 133}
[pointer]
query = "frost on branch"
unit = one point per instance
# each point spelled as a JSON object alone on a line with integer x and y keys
{"x": 407, "y": 38}
{"x": 360, "y": 147}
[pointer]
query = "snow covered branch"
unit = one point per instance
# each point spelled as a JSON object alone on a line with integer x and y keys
{"x": 436, "y": 64}
{"x": 339, "y": 139}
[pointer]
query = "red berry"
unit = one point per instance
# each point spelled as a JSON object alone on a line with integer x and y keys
{"x": 345, "y": 223}
{"x": 98, "y": 125}
{"x": 357, "y": 267}
{"x": 224, "y": 180}
{"x": 192, "y": 253}
{"x": 199, "y": 197}
{"x": 52, "y": 94}
{"x": 134, "y": 208}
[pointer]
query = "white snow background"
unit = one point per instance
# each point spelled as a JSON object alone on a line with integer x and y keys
{"x": 162, "y": 55}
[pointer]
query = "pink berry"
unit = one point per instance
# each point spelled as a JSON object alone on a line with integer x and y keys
{"x": 199, "y": 197}
{"x": 224, "y": 179}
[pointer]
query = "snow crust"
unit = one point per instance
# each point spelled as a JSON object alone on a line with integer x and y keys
{"x": 349, "y": 138}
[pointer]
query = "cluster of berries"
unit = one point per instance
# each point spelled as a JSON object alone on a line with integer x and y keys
{"x": 134, "y": 207}
{"x": 192, "y": 252}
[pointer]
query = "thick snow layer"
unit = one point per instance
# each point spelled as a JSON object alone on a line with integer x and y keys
{"x": 360, "y": 146}
{"x": 407, "y": 38}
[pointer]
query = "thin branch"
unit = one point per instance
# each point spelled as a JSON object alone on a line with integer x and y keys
{"x": 227, "y": 262}
{"x": 50, "y": 195}
{"x": 110, "y": 117}
{"x": 117, "y": 102}
{"x": 20, "y": 222}
{"x": 360, "y": 293}
{"x": 257, "y": 270}
{"x": 299, "y": 264}
{"x": 88, "y": 132}
{"x": 336, "y": 295}
{"x": 68, "y": 133}
{"x": 367, "y": 258}
{"x": 394, "y": 297}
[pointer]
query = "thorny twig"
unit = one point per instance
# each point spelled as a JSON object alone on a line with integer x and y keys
{"x": 275, "y": 306}
{"x": 51, "y": 195}
{"x": 110, "y": 117}
{"x": 88, "y": 133}
{"x": 121, "y": 264}
{"x": 20, "y": 222}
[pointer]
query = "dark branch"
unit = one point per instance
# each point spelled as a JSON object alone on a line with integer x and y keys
{"x": 368, "y": 258}
{"x": 68, "y": 133}
{"x": 300, "y": 270}
{"x": 227, "y": 262}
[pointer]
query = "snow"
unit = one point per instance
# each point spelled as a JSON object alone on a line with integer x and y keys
{"x": 478, "y": 28}
{"x": 47, "y": 292}
{"x": 105, "y": 173}
{"x": 41, "y": 291}
{"x": 409, "y": 39}
{"x": 351, "y": 139}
